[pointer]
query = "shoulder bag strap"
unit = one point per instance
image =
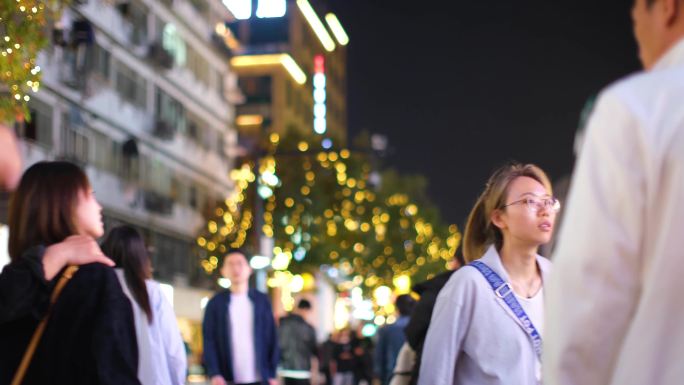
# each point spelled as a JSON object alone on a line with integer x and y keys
{"x": 504, "y": 291}
{"x": 28, "y": 354}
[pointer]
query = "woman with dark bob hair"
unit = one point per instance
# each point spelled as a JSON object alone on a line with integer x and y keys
{"x": 89, "y": 337}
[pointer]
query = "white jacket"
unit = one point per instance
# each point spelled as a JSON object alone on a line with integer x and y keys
{"x": 474, "y": 338}
{"x": 614, "y": 308}
{"x": 161, "y": 353}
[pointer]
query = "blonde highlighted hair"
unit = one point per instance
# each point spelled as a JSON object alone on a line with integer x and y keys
{"x": 480, "y": 232}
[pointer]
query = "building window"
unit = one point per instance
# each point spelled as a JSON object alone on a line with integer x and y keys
{"x": 172, "y": 42}
{"x": 170, "y": 112}
{"x": 198, "y": 66}
{"x": 131, "y": 86}
{"x": 136, "y": 15}
{"x": 100, "y": 61}
{"x": 39, "y": 129}
{"x": 75, "y": 142}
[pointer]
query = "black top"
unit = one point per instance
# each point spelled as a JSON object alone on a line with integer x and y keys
{"x": 297, "y": 343}
{"x": 417, "y": 328}
{"x": 344, "y": 356}
{"x": 89, "y": 338}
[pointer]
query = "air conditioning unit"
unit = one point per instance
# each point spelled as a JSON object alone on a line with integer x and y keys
{"x": 160, "y": 56}
{"x": 157, "y": 203}
{"x": 164, "y": 130}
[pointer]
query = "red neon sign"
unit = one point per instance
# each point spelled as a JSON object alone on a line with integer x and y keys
{"x": 319, "y": 64}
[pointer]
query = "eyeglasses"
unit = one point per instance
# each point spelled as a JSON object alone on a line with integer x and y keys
{"x": 535, "y": 204}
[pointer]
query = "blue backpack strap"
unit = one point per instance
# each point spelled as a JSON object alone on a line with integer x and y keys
{"x": 503, "y": 290}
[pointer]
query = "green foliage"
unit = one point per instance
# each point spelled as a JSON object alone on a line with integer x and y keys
{"x": 23, "y": 33}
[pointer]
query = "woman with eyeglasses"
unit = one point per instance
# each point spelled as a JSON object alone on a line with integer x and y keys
{"x": 488, "y": 320}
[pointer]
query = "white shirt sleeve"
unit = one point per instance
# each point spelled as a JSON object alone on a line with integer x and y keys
{"x": 173, "y": 343}
{"x": 444, "y": 339}
{"x": 595, "y": 283}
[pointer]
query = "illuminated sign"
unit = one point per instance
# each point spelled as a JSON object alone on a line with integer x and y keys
{"x": 316, "y": 25}
{"x": 282, "y": 59}
{"x": 337, "y": 29}
{"x": 320, "y": 124}
{"x": 242, "y": 9}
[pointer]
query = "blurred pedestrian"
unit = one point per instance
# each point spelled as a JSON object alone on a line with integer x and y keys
{"x": 344, "y": 362}
{"x": 613, "y": 316}
{"x": 163, "y": 359}
{"x": 10, "y": 160}
{"x": 297, "y": 340}
{"x": 417, "y": 327}
{"x": 488, "y": 320}
{"x": 363, "y": 354}
{"x": 391, "y": 338}
{"x": 240, "y": 338}
{"x": 89, "y": 334}
{"x": 326, "y": 355}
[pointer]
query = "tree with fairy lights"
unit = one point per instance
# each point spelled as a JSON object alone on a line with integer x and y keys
{"x": 23, "y": 33}
{"x": 320, "y": 208}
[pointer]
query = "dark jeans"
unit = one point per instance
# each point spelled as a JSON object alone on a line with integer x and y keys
{"x": 297, "y": 381}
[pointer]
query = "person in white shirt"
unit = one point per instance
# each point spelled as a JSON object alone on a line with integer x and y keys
{"x": 475, "y": 336}
{"x": 162, "y": 356}
{"x": 239, "y": 331}
{"x": 614, "y": 314}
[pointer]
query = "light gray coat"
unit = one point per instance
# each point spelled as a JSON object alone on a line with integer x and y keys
{"x": 473, "y": 336}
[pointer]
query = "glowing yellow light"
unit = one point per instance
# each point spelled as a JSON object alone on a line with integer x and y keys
{"x": 344, "y": 154}
{"x": 310, "y": 176}
{"x": 201, "y": 241}
{"x": 358, "y": 247}
{"x": 316, "y": 25}
{"x": 328, "y": 213}
{"x": 281, "y": 261}
{"x": 351, "y": 224}
{"x": 289, "y": 230}
{"x": 211, "y": 246}
{"x": 341, "y": 314}
{"x": 274, "y": 137}
{"x": 337, "y": 29}
{"x": 289, "y": 202}
{"x": 365, "y": 227}
{"x": 332, "y": 156}
{"x": 402, "y": 284}
{"x": 303, "y": 146}
{"x": 382, "y": 295}
{"x": 220, "y": 28}
{"x": 249, "y": 120}
{"x": 309, "y": 281}
{"x": 282, "y": 59}
{"x": 305, "y": 190}
{"x": 411, "y": 209}
{"x": 212, "y": 226}
{"x": 379, "y": 320}
{"x": 297, "y": 284}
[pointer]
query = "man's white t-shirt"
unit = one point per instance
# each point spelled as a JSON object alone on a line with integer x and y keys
{"x": 241, "y": 312}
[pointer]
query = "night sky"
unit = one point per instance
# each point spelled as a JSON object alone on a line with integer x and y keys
{"x": 460, "y": 91}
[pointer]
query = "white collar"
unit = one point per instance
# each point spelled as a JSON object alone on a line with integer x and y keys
{"x": 673, "y": 57}
{"x": 492, "y": 259}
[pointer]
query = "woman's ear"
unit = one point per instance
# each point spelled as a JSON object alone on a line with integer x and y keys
{"x": 498, "y": 219}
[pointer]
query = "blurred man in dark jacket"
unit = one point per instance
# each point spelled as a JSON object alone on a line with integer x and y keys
{"x": 422, "y": 313}
{"x": 297, "y": 341}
